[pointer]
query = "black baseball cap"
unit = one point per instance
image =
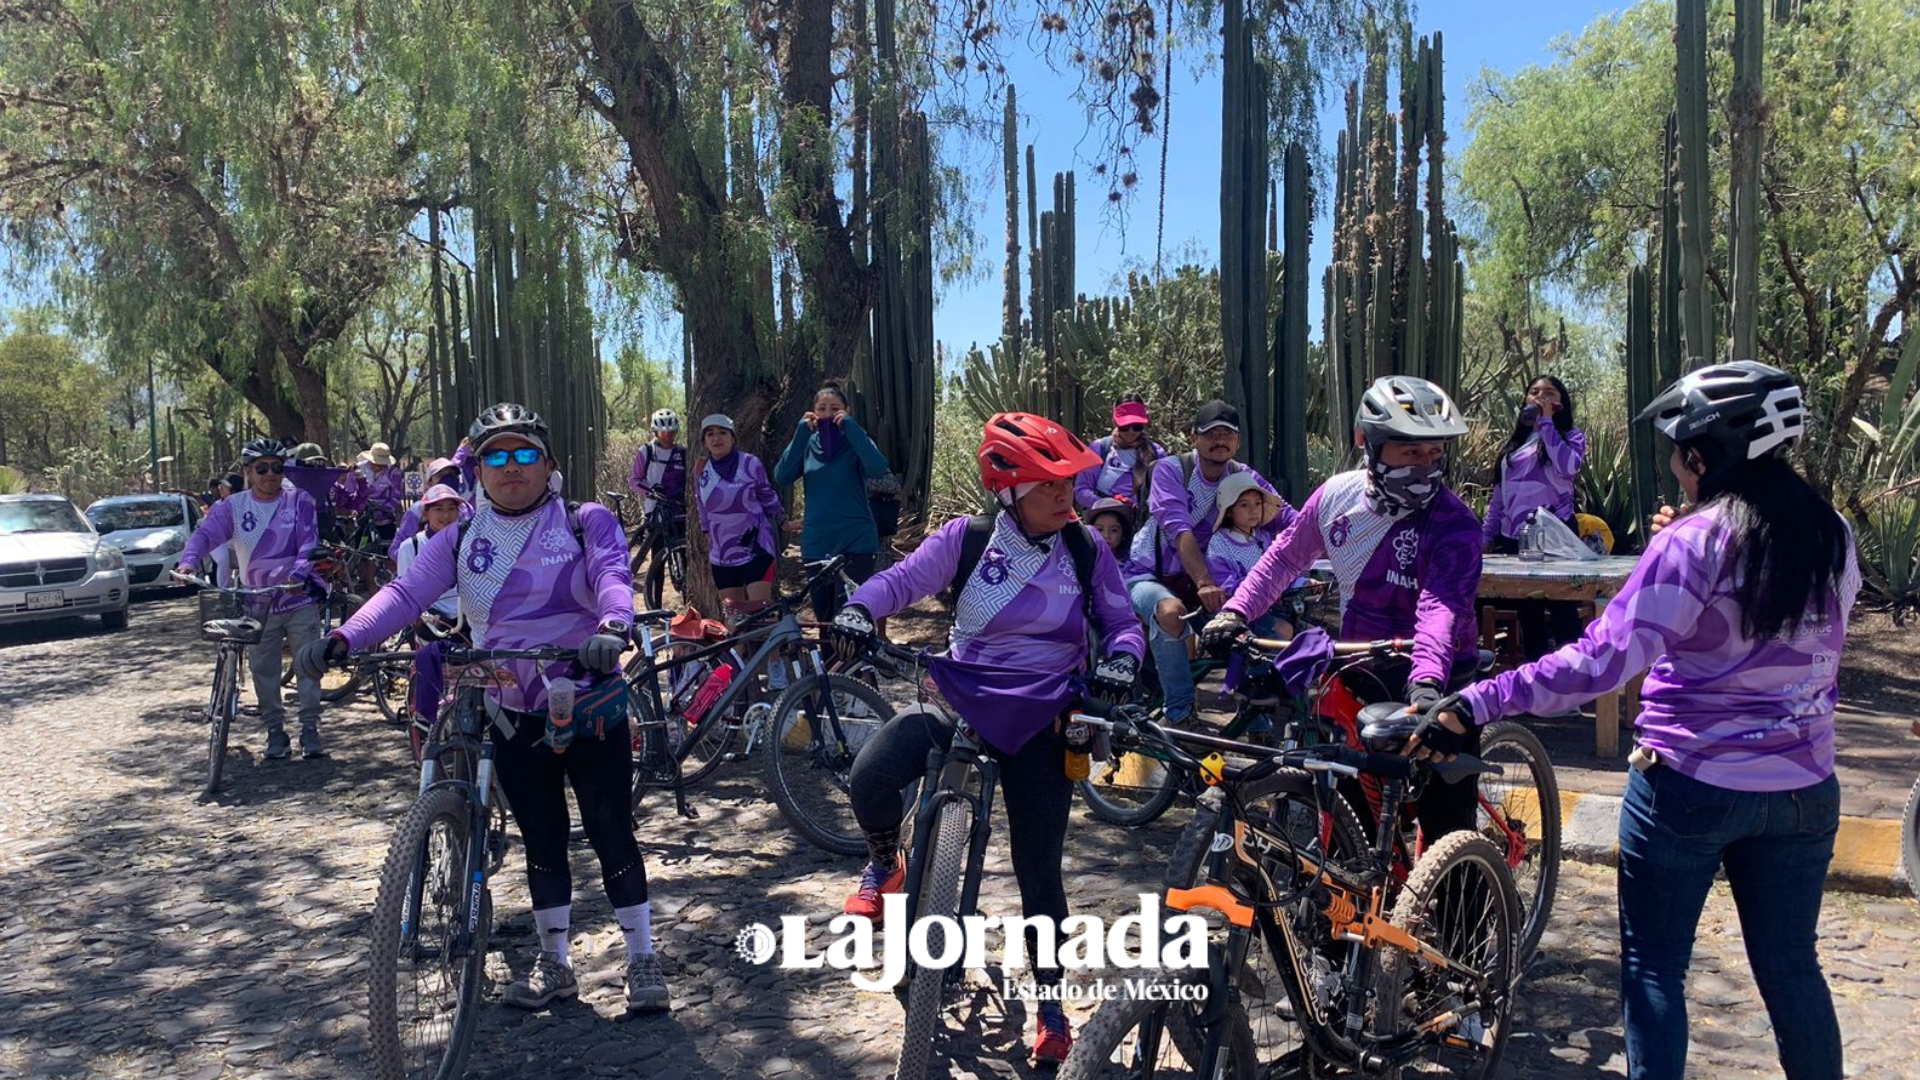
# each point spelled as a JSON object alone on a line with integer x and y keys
{"x": 1215, "y": 413}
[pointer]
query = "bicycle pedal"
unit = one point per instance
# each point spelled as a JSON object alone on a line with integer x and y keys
{"x": 733, "y": 755}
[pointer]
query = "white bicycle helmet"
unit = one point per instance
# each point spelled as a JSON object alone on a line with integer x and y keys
{"x": 665, "y": 420}
{"x": 1744, "y": 409}
{"x": 1409, "y": 408}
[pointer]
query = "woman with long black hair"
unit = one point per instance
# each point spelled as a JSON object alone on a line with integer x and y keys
{"x": 1739, "y": 608}
{"x": 1538, "y": 466}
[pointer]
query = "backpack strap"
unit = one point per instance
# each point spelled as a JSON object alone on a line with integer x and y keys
{"x": 973, "y": 544}
{"x": 1079, "y": 540}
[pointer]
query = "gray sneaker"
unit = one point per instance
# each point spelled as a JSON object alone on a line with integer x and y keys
{"x": 549, "y": 979}
{"x": 277, "y": 743}
{"x": 646, "y": 986}
{"x": 310, "y": 743}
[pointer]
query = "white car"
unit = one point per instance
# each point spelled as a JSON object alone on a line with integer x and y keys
{"x": 53, "y": 565}
{"x": 150, "y": 530}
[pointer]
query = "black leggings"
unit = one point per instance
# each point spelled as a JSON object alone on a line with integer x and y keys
{"x": 1443, "y": 808}
{"x": 826, "y": 593}
{"x": 601, "y": 772}
{"x": 1033, "y": 786}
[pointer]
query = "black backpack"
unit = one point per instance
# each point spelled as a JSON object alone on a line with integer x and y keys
{"x": 973, "y": 544}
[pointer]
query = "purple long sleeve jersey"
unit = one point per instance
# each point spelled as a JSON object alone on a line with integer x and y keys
{"x": 1113, "y": 476}
{"x": 1717, "y": 705}
{"x": 1022, "y": 607}
{"x": 1533, "y": 479}
{"x": 1416, "y": 574}
{"x": 524, "y": 582}
{"x": 659, "y": 474}
{"x": 1180, "y": 508}
{"x": 740, "y": 514}
{"x": 270, "y": 541}
{"x": 363, "y": 489}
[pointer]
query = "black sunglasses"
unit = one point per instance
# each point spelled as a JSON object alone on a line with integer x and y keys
{"x": 1133, "y": 428}
{"x": 262, "y": 468}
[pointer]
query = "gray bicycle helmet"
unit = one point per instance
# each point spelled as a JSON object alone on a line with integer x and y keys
{"x": 507, "y": 418}
{"x": 262, "y": 448}
{"x": 665, "y": 420}
{"x": 1405, "y": 407}
{"x": 1742, "y": 410}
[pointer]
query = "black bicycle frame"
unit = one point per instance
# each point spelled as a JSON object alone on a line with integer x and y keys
{"x": 947, "y": 782}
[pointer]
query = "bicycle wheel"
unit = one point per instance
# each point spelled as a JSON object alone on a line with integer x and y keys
{"x": 1130, "y": 789}
{"x": 1282, "y": 804}
{"x": 1520, "y": 812}
{"x": 1459, "y": 900}
{"x": 393, "y": 689}
{"x": 652, "y": 584}
{"x": 423, "y": 996}
{"x": 939, "y": 895}
{"x": 1137, "y": 1035}
{"x": 819, "y": 725}
{"x": 339, "y": 684}
{"x": 1910, "y": 839}
{"x": 656, "y": 741}
{"x": 222, "y": 703}
{"x": 676, "y": 558}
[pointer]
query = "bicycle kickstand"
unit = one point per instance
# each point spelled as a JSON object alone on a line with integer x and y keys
{"x": 680, "y": 804}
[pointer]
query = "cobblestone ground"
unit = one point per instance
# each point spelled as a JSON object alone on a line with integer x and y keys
{"x": 147, "y": 934}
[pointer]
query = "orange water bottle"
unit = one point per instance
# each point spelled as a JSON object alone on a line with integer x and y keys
{"x": 1079, "y": 735}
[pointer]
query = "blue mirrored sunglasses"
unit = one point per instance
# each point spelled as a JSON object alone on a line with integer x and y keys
{"x": 521, "y": 455}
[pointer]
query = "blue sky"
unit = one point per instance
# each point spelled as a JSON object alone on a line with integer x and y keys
{"x": 1498, "y": 34}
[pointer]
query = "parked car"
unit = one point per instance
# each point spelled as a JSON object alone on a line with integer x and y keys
{"x": 150, "y": 530}
{"x": 53, "y": 565}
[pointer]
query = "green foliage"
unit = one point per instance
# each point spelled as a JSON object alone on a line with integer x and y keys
{"x": 50, "y": 398}
{"x": 1564, "y": 184}
{"x": 13, "y": 481}
{"x": 1889, "y": 551}
{"x": 1604, "y": 487}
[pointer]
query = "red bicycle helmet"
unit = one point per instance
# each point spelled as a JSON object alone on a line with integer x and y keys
{"x": 1021, "y": 448}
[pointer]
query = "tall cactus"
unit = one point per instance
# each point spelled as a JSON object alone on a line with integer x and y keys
{"x": 1010, "y": 177}
{"x": 1668, "y": 357}
{"x": 1395, "y": 288}
{"x": 1062, "y": 399}
{"x": 1746, "y": 115}
{"x": 1643, "y": 382}
{"x": 1243, "y": 257}
{"x": 899, "y": 404}
{"x": 1288, "y": 464}
{"x": 1696, "y": 207}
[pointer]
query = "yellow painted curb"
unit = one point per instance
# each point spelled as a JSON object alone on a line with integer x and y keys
{"x": 1866, "y": 848}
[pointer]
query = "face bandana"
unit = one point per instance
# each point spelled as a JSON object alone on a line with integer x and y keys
{"x": 1405, "y": 489}
{"x": 827, "y": 440}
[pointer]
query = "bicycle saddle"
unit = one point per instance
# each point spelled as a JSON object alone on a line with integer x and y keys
{"x": 1487, "y": 659}
{"x": 1386, "y": 727}
{"x": 242, "y": 630}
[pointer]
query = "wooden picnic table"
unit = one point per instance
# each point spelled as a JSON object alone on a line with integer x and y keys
{"x": 1589, "y": 583}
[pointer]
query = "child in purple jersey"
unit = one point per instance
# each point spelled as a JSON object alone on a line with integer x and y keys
{"x": 1020, "y": 630}
{"x": 1406, "y": 553}
{"x": 1740, "y": 609}
{"x": 527, "y": 578}
{"x": 740, "y": 513}
{"x": 269, "y": 530}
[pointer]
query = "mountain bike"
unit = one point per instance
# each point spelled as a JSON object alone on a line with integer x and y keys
{"x": 392, "y": 681}
{"x": 433, "y": 910}
{"x": 660, "y": 541}
{"x": 1518, "y": 810}
{"x": 1311, "y": 976}
{"x": 951, "y": 827}
{"x": 693, "y": 704}
{"x": 230, "y": 618}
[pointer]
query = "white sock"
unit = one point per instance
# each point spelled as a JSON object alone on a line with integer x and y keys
{"x": 553, "y": 923}
{"x": 636, "y": 922}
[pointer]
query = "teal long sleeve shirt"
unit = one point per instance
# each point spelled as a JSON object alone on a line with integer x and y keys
{"x": 838, "y": 520}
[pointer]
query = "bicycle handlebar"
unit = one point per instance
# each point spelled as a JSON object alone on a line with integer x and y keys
{"x": 460, "y": 654}
{"x": 247, "y": 590}
{"x": 1129, "y": 724}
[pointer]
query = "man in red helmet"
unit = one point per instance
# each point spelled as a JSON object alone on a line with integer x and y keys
{"x": 1013, "y": 666}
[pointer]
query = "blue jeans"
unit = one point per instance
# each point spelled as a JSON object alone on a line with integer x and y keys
{"x": 1169, "y": 653}
{"x": 1675, "y": 832}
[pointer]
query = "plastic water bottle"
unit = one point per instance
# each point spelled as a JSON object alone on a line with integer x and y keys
{"x": 1530, "y": 550}
{"x": 709, "y": 692}
{"x": 560, "y": 697}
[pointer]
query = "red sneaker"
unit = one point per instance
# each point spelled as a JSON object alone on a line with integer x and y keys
{"x": 1055, "y": 1035}
{"x": 875, "y": 882}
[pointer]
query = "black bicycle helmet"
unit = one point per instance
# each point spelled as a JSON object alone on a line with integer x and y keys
{"x": 507, "y": 418}
{"x": 1409, "y": 408}
{"x": 262, "y": 448}
{"x": 1742, "y": 410}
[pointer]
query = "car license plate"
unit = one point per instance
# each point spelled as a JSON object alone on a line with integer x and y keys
{"x": 41, "y": 601}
